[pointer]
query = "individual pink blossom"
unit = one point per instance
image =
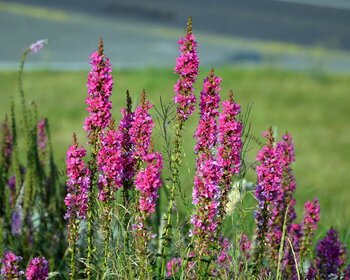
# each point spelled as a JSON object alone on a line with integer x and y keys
{"x": 10, "y": 266}
{"x": 78, "y": 182}
{"x": 141, "y": 128}
{"x": 38, "y": 45}
{"x": 206, "y": 133}
{"x": 100, "y": 85}
{"x": 173, "y": 266}
{"x": 309, "y": 224}
{"x": 148, "y": 182}
{"x": 245, "y": 245}
{"x": 110, "y": 163}
{"x": 38, "y": 269}
{"x": 224, "y": 258}
{"x": 187, "y": 69}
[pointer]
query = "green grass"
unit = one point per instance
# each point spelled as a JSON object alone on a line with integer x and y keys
{"x": 313, "y": 107}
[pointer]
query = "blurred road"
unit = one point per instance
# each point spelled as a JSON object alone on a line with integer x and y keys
{"x": 143, "y": 33}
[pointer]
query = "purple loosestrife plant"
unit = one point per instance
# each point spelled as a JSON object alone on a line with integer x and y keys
{"x": 100, "y": 85}
{"x": 147, "y": 182}
{"x": 78, "y": 185}
{"x": 268, "y": 192}
{"x": 38, "y": 269}
{"x": 10, "y": 266}
{"x": 129, "y": 161}
{"x": 331, "y": 256}
{"x": 309, "y": 226}
{"x": 229, "y": 147}
{"x": 110, "y": 163}
{"x": 206, "y": 191}
{"x": 187, "y": 70}
{"x": 284, "y": 202}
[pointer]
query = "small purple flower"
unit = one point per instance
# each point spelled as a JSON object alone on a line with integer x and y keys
{"x": 173, "y": 266}
{"x": 10, "y": 266}
{"x": 42, "y": 138}
{"x": 245, "y": 245}
{"x": 331, "y": 256}
{"x": 38, "y": 269}
{"x": 38, "y": 45}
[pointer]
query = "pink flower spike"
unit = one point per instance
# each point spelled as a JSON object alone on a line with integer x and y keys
{"x": 187, "y": 69}
{"x": 38, "y": 269}
{"x": 100, "y": 85}
{"x": 148, "y": 182}
{"x": 78, "y": 182}
{"x": 141, "y": 128}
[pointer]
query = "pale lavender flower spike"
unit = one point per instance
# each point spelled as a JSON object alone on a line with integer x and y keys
{"x": 38, "y": 45}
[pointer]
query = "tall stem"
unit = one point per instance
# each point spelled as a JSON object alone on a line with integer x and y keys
{"x": 175, "y": 163}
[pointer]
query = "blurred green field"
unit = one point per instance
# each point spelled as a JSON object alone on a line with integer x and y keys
{"x": 313, "y": 107}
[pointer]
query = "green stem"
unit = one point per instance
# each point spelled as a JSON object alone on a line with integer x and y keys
{"x": 175, "y": 163}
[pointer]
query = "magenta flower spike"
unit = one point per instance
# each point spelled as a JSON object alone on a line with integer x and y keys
{"x": 78, "y": 182}
{"x": 187, "y": 69}
{"x": 10, "y": 266}
{"x": 110, "y": 163}
{"x": 229, "y": 147}
{"x": 38, "y": 269}
{"x": 206, "y": 133}
{"x": 309, "y": 225}
{"x": 100, "y": 85}
{"x": 125, "y": 125}
{"x": 141, "y": 128}
{"x": 285, "y": 200}
{"x": 206, "y": 191}
{"x": 148, "y": 182}
{"x": 230, "y": 139}
{"x": 268, "y": 192}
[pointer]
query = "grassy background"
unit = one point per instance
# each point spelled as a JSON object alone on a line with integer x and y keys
{"x": 313, "y": 107}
